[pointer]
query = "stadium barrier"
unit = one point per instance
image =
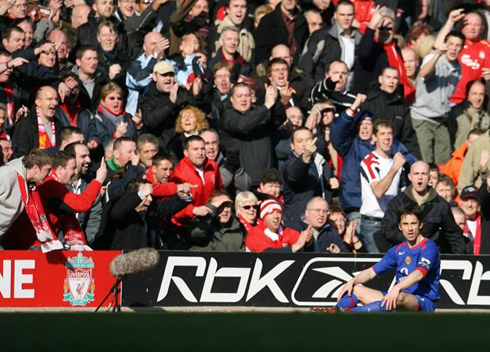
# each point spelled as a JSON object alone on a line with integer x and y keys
{"x": 287, "y": 280}
{"x": 183, "y": 279}
{"x": 63, "y": 279}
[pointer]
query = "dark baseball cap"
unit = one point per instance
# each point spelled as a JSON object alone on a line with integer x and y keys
{"x": 469, "y": 192}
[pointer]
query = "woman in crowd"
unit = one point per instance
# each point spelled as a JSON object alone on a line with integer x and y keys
{"x": 246, "y": 207}
{"x": 338, "y": 220}
{"x": 111, "y": 121}
{"x": 190, "y": 122}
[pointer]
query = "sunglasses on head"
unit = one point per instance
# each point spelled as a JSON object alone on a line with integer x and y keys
{"x": 248, "y": 207}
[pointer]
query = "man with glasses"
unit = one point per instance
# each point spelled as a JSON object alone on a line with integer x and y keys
{"x": 326, "y": 237}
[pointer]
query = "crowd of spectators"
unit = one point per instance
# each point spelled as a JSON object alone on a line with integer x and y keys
{"x": 243, "y": 125}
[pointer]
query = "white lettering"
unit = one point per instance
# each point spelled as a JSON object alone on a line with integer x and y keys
{"x": 208, "y": 296}
{"x": 6, "y": 279}
{"x": 257, "y": 283}
{"x": 21, "y": 278}
{"x": 478, "y": 276}
{"x": 464, "y": 265}
{"x": 168, "y": 277}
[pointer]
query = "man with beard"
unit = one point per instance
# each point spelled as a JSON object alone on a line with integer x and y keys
{"x": 60, "y": 204}
{"x": 439, "y": 225}
{"x": 40, "y": 129}
{"x": 89, "y": 220}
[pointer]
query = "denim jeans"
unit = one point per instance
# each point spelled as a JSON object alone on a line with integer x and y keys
{"x": 368, "y": 229}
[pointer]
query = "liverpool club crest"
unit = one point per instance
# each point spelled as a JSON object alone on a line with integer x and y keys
{"x": 79, "y": 286}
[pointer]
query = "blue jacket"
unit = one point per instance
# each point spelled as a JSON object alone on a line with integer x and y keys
{"x": 346, "y": 141}
{"x": 85, "y": 122}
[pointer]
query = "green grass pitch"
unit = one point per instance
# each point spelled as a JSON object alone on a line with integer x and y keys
{"x": 161, "y": 331}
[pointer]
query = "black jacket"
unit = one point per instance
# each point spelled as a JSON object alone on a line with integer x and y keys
{"x": 321, "y": 49}
{"x": 251, "y": 134}
{"x": 437, "y": 218}
{"x": 326, "y": 236}
{"x": 302, "y": 182}
{"x": 371, "y": 60}
{"x": 26, "y": 134}
{"x": 160, "y": 113}
{"x": 92, "y": 103}
{"x": 394, "y": 107}
{"x": 484, "y": 200}
{"x": 272, "y": 31}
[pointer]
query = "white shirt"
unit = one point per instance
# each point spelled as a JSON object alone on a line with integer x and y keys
{"x": 375, "y": 168}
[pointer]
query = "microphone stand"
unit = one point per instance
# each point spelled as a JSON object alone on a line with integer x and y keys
{"x": 115, "y": 290}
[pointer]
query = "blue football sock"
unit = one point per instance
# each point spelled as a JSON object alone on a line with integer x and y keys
{"x": 348, "y": 302}
{"x": 374, "y": 307}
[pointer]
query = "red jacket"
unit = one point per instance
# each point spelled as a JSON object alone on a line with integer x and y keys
{"x": 161, "y": 190}
{"x": 79, "y": 203}
{"x": 474, "y": 57}
{"x": 261, "y": 238}
{"x": 185, "y": 172}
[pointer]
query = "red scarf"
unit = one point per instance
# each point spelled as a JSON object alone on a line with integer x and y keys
{"x": 44, "y": 141}
{"x": 395, "y": 60}
{"x": 476, "y": 236}
{"x": 72, "y": 112}
{"x": 248, "y": 226}
{"x": 35, "y": 212}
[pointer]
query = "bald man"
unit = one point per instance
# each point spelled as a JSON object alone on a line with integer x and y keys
{"x": 39, "y": 129}
{"x": 79, "y": 15}
{"x": 139, "y": 71}
{"x": 437, "y": 218}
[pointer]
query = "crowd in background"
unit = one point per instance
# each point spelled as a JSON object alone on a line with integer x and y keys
{"x": 243, "y": 125}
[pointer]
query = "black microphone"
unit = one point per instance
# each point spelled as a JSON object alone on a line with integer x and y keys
{"x": 134, "y": 262}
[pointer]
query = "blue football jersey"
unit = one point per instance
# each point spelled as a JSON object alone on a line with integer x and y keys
{"x": 423, "y": 257}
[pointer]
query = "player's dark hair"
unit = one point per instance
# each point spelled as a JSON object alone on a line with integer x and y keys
{"x": 410, "y": 209}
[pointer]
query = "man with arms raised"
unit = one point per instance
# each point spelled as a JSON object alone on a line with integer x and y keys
{"x": 417, "y": 266}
